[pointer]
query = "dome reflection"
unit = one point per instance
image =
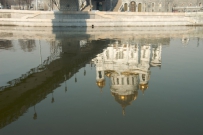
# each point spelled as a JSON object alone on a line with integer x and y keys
{"x": 127, "y": 65}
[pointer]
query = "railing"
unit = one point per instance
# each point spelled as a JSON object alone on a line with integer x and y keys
{"x": 55, "y": 55}
{"x": 185, "y": 9}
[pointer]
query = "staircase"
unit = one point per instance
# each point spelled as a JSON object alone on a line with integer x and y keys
{"x": 118, "y": 5}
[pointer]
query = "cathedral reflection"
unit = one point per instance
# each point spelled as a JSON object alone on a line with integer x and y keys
{"x": 127, "y": 65}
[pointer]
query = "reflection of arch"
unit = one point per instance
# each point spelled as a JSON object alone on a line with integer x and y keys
{"x": 139, "y": 7}
{"x": 132, "y": 6}
{"x": 125, "y": 7}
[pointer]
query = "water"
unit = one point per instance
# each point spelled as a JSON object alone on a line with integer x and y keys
{"x": 96, "y": 81}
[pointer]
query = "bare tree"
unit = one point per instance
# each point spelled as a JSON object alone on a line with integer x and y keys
{"x": 27, "y": 45}
{"x": 28, "y": 3}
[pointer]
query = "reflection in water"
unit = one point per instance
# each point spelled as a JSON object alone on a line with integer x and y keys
{"x": 54, "y": 54}
{"x": 33, "y": 86}
{"x": 27, "y": 45}
{"x": 6, "y": 44}
{"x": 35, "y": 114}
{"x": 52, "y": 99}
{"x": 127, "y": 64}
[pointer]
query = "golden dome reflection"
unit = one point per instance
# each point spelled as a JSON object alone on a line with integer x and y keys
{"x": 125, "y": 100}
{"x": 101, "y": 83}
{"x": 143, "y": 87}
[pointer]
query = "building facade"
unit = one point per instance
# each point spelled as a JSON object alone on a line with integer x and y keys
{"x": 161, "y": 5}
{"x": 133, "y": 5}
{"x": 107, "y": 5}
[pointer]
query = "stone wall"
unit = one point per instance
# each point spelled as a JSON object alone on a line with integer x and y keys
{"x": 99, "y": 19}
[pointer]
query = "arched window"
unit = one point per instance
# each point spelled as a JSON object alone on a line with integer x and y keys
{"x": 127, "y": 81}
{"x": 168, "y": 7}
{"x": 132, "y": 6}
{"x": 160, "y": 5}
{"x": 125, "y": 7}
{"x": 122, "y": 81}
{"x": 153, "y": 5}
{"x": 145, "y": 7}
{"x": 139, "y": 7}
{"x": 118, "y": 81}
{"x": 143, "y": 77}
{"x": 133, "y": 80}
{"x": 100, "y": 74}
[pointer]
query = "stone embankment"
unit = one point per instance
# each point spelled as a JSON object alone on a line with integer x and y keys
{"x": 98, "y": 19}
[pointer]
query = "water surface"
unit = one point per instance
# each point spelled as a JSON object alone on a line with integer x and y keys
{"x": 126, "y": 81}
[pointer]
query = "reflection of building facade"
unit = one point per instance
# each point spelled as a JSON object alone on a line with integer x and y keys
{"x": 128, "y": 67}
{"x": 65, "y": 61}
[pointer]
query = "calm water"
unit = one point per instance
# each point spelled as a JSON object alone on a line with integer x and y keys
{"x": 133, "y": 81}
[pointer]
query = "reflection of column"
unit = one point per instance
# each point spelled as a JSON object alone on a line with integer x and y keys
{"x": 65, "y": 83}
{"x": 52, "y": 99}
{"x": 35, "y": 114}
{"x": 40, "y": 52}
{"x": 139, "y": 53}
{"x": 84, "y": 71}
{"x": 75, "y": 78}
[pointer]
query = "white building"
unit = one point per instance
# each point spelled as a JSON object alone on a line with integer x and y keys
{"x": 128, "y": 66}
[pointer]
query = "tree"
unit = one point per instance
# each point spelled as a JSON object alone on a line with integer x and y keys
{"x": 28, "y": 3}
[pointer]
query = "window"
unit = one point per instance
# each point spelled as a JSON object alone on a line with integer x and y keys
{"x": 125, "y": 7}
{"x": 133, "y": 80}
{"x": 153, "y": 5}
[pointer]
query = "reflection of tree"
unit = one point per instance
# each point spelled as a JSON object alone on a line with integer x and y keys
{"x": 7, "y": 45}
{"x": 52, "y": 99}
{"x": 27, "y": 45}
{"x": 35, "y": 114}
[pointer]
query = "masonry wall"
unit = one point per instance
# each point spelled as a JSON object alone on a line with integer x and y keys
{"x": 98, "y": 19}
